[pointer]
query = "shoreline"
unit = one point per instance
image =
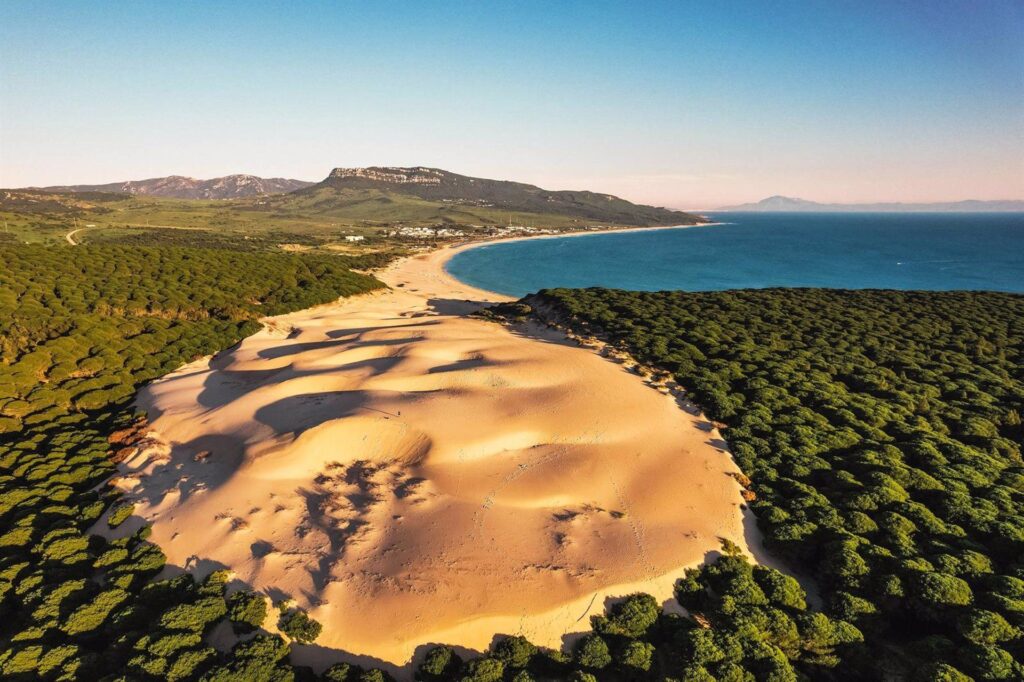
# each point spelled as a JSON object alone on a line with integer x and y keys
{"x": 369, "y": 423}
{"x": 452, "y": 250}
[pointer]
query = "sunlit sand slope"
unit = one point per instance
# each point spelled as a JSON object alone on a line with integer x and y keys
{"x": 412, "y": 475}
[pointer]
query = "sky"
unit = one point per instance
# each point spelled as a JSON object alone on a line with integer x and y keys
{"x": 679, "y": 104}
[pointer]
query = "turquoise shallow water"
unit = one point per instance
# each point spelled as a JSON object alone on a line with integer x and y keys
{"x": 837, "y": 250}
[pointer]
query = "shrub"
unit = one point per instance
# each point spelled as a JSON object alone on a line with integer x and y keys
{"x": 93, "y": 614}
{"x": 341, "y": 672}
{"x": 514, "y": 652}
{"x": 630, "y": 618}
{"x": 483, "y": 670}
{"x": 985, "y": 627}
{"x": 592, "y": 652}
{"x": 247, "y": 611}
{"x": 299, "y": 626}
{"x": 637, "y": 655}
{"x": 119, "y": 514}
{"x": 440, "y": 663}
{"x": 195, "y": 617}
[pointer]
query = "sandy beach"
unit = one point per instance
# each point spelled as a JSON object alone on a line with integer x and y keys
{"x": 413, "y": 476}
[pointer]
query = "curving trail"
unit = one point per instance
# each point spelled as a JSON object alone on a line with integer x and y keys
{"x": 414, "y": 475}
{"x": 70, "y": 236}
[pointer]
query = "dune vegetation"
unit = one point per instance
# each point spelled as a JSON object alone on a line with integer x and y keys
{"x": 881, "y": 433}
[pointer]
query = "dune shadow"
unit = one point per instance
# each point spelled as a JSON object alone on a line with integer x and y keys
{"x": 321, "y": 657}
{"x": 542, "y": 333}
{"x": 224, "y": 357}
{"x": 283, "y": 351}
{"x": 463, "y": 365}
{"x": 456, "y": 307}
{"x": 359, "y": 331}
{"x": 685, "y": 404}
{"x": 218, "y": 457}
{"x": 761, "y": 554}
{"x": 384, "y": 343}
{"x": 299, "y": 413}
{"x": 317, "y": 504}
{"x": 261, "y": 548}
{"x": 225, "y": 385}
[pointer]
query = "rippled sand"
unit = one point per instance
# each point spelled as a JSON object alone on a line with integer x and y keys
{"x": 413, "y": 475}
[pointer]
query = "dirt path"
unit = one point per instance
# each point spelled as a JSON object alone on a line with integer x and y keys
{"x": 70, "y": 236}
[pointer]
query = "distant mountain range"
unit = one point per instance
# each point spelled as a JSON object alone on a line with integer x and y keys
{"x": 419, "y": 193}
{"x": 373, "y": 196}
{"x": 790, "y": 204}
{"x": 181, "y": 187}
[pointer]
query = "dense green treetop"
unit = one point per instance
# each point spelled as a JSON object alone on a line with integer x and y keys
{"x": 882, "y": 434}
{"x": 80, "y": 330}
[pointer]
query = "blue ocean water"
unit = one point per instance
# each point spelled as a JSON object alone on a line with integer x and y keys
{"x": 933, "y": 251}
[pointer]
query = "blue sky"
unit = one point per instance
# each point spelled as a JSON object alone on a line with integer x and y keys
{"x": 683, "y": 104}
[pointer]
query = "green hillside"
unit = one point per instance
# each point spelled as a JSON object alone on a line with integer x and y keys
{"x": 370, "y": 202}
{"x": 460, "y": 198}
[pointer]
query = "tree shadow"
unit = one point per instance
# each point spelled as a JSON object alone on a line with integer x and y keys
{"x": 456, "y": 307}
{"x": 169, "y": 474}
{"x": 358, "y": 331}
{"x": 718, "y": 444}
{"x": 462, "y": 365}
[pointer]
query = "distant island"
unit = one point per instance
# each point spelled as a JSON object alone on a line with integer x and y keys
{"x": 792, "y": 204}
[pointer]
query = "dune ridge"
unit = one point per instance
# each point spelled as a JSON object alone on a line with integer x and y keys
{"x": 412, "y": 475}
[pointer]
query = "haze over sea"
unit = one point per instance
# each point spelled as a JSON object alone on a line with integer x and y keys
{"x": 930, "y": 251}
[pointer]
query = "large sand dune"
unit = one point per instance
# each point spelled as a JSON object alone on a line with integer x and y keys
{"x": 414, "y": 476}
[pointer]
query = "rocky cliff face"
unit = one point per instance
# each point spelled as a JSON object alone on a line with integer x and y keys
{"x": 392, "y": 175}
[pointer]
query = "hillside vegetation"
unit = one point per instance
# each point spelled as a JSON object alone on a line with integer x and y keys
{"x": 460, "y": 198}
{"x": 364, "y": 202}
{"x": 881, "y": 431}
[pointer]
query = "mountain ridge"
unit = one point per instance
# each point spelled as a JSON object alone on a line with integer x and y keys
{"x": 779, "y": 203}
{"x": 234, "y": 186}
{"x": 459, "y": 193}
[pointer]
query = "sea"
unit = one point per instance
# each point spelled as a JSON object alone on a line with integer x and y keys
{"x": 926, "y": 251}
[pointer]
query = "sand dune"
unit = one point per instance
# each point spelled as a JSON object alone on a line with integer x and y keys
{"x": 413, "y": 476}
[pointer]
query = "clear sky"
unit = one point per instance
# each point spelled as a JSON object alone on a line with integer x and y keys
{"x": 684, "y": 104}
